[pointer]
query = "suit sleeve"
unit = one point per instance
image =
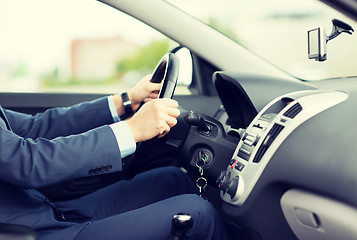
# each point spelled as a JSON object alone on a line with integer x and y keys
{"x": 64, "y": 121}
{"x": 35, "y": 163}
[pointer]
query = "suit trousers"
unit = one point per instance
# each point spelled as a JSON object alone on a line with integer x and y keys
{"x": 143, "y": 208}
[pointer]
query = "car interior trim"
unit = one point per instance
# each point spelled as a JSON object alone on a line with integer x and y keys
{"x": 312, "y": 216}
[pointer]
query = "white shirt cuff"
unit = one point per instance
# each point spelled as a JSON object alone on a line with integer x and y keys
{"x": 112, "y": 109}
{"x": 124, "y": 137}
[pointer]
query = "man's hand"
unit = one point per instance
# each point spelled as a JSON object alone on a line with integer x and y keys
{"x": 143, "y": 91}
{"x": 154, "y": 118}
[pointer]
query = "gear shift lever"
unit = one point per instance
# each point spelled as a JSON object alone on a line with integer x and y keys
{"x": 181, "y": 223}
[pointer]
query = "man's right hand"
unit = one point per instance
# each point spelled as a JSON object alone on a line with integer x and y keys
{"x": 154, "y": 118}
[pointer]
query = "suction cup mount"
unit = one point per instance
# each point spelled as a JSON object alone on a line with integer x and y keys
{"x": 338, "y": 28}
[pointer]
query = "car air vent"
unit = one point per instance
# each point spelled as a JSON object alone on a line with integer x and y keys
{"x": 273, "y": 133}
{"x": 293, "y": 111}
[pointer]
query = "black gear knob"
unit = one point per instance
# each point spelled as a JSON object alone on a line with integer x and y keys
{"x": 181, "y": 223}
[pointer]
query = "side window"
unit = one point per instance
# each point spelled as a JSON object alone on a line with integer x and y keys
{"x": 75, "y": 46}
{"x": 185, "y": 72}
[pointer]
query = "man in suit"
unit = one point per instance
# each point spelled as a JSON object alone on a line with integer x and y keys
{"x": 89, "y": 139}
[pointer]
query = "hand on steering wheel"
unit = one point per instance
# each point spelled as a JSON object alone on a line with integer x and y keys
{"x": 154, "y": 118}
{"x": 166, "y": 72}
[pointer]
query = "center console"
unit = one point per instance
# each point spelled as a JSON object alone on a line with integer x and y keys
{"x": 268, "y": 130}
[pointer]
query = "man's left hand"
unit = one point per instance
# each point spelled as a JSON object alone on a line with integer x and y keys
{"x": 143, "y": 91}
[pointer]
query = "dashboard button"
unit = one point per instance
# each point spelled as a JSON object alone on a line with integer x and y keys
{"x": 250, "y": 139}
{"x": 232, "y": 162}
{"x": 245, "y": 151}
{"x": 239, "y": 166}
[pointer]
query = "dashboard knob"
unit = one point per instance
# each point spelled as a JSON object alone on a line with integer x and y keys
{"x": 220, "y": 178}
{"x": 223, "y": 184}
{"x": 233, "y": 186}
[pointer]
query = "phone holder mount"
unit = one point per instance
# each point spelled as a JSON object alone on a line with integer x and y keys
{"x": 317, "y": 39}
{"x": 338, "y": 28}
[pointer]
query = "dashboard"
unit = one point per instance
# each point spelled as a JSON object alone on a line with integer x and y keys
{"x": 293, "y": 168}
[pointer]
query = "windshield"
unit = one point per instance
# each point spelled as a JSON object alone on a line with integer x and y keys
{"x": 276, "y": 30}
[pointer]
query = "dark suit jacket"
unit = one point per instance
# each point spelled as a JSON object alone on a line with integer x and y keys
{"x": 50, "y": 147}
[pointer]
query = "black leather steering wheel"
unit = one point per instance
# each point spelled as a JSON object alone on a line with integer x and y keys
{"x": 166, "y": 71}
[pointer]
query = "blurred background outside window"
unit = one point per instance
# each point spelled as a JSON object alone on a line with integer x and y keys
{"x": 74, "y": 46}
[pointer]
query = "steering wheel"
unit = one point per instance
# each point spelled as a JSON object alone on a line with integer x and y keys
{"x": 166, "y": 71}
